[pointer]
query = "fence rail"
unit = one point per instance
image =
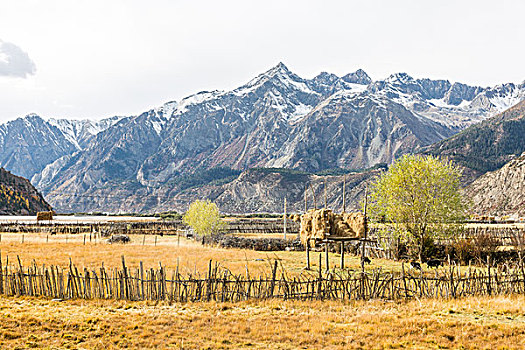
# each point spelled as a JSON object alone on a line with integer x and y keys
{"x": 219, "y": 284}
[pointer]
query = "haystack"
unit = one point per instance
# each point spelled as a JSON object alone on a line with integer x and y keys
{"x": 295, "y": 217}
{"x": 44, "y": 215}
{"x": 323, "y": 223}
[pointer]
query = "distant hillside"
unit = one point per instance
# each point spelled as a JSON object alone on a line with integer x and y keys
{"x": 486, "y": 146}
{"x": 264, "y": 190}
{"x": 18, "y": 196}
{"x": 501, "y": 192}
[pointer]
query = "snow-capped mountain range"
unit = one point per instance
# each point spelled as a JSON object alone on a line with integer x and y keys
{"x": 277, "y": 119}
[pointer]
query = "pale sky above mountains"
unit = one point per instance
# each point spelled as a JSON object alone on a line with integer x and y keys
{"x": 95, "y": 59}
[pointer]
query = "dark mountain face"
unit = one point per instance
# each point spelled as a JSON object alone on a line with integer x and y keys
{"x": 18, "y": 196}
{"x": 486, "y": 146}
{"x": 278, "y": 119}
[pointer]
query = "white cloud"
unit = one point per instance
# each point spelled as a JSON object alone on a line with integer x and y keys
{"x": 15, "y": 62}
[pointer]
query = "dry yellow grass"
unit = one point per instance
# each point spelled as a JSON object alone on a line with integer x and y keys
{"x": 472, "y": 323}
{"x": 191, "y": 256}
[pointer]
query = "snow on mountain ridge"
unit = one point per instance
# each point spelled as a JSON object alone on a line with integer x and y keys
{"x": 76, "y": 131}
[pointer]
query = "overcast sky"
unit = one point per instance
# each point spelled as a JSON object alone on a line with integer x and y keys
{"x": 95, "y": 59}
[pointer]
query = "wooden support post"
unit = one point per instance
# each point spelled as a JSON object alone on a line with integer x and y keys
{"x": 23, "y": 239}
{"x": 326, "y": 257}
{"x": 307, "y": 249}
{"x": 305, "y": 197}
{"x": 363, "y": 250}
{"x": 84, "y": 239}
{"x": 143, "y": 239}
{"x": 344, "y": 194}
{"x": 313, "y": 196}
{"x": 325, "y": 199}
{"x": 284, "y": 218}
{"x": 342, "y": 254}
{"x": 155, "y": 240}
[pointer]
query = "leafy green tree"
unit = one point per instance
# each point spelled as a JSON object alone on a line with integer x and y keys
{"x": 203, "y": 217}
{"x": 420, "y": 196}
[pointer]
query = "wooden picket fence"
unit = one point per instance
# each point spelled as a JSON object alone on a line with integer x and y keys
{"x": 219, "y": 284}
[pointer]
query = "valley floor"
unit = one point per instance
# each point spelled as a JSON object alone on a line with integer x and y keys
{"x": 471, "y": 323}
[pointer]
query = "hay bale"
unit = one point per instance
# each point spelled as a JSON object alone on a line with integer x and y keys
{"x": 315, "y": 224}
{"x": 295, "y": 217}
{"x": 356, "y": 222}
{"x": 323, "y": 223}
{"x": 44, "y": 215}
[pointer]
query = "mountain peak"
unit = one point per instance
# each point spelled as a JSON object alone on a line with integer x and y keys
{"x": 399, "y": 77}
{"x": 279, "y": 68}
{"x": 32, "y": 116}
{"x": 357, "y": 77}
{"x": 327, "y": 77}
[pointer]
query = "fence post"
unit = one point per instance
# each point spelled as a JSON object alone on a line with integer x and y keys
{"x": 342, "y": 254}
{"x": 489, "y": 287}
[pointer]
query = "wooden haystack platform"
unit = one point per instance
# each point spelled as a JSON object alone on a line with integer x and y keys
{"x": 324, "y": 226}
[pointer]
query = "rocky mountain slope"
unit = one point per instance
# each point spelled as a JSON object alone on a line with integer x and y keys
{"x": 278, "y": 119}
{"x": 486, "y": 146}
{"x": 18, "y": 196}
{"x": 501, "y": 192}
{"x": 253, "y": 191}
{"x": 29, "y": 144}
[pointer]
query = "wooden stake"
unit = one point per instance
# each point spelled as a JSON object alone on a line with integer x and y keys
{"x": 284, "y": 218}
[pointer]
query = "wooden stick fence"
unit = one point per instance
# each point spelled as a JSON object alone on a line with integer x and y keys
{"x": 219, "y": 284}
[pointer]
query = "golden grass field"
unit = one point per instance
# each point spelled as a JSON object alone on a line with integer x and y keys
{"x": 471, "y": 323}
{"x": 191, "y": 256}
